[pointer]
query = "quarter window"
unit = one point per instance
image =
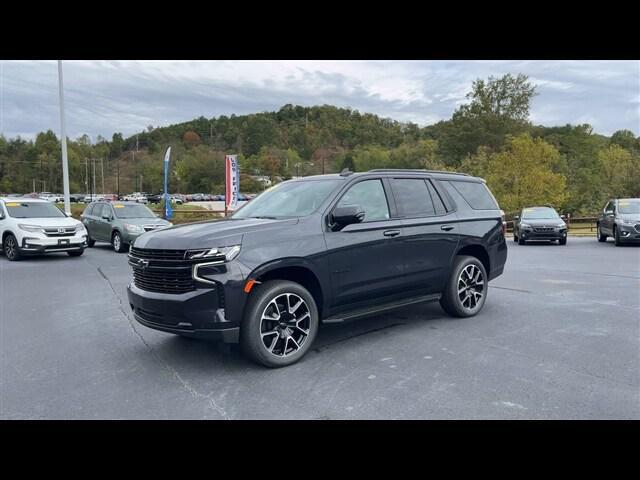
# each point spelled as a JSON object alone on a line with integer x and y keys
{"x": 370, "y": 196}
{"x": 437, "y": 201}
{"x": 412, "y": 197}
{"x": 476, "y": 195}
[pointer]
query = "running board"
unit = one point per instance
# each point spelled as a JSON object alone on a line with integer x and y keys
{"x": 341, "y": 317}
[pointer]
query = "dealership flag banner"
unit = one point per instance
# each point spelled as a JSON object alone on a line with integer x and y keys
{"x": 168, "y": 211}
{"x": 232, "y": 176}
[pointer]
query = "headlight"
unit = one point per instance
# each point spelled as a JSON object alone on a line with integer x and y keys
{"x": 129, "y": 227}
{"x": 29, "y": 228}
{"x": 562, "y": 227}
{"x": 222, "y": 253}
{"x": 80, "y": 228}
{"x": 525, "y": 225}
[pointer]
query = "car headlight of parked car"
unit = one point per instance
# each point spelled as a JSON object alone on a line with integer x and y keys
{"x": 525, "y": 225}
{"x": 562, "y": 226}
{"x": 30, "y": 228}
{"x": 80, "y": 228}
{"x": 129, "y": 227}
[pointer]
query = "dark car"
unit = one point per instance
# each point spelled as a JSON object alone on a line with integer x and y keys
{"x": 539, "y": 224}
{"x": 620, "y": 219}
{"x": 321, "y": 249}
{"x": 154, "y": 197}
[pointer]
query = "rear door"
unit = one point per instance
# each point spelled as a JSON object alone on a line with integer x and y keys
{"x": 365, "y": 259}
{"x": 430, "y": 234}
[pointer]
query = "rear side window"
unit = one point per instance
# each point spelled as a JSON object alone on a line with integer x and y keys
{"x": 97, "y": 210}
{"x": 87, "y": 211}
{"x": 412, "y": 197}
{"x": 476, "y": 195}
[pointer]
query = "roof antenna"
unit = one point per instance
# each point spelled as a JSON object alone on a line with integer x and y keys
{"x": 346, "y": 172}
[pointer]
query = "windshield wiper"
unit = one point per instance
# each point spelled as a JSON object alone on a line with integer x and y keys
{"x": 264, "y": 217}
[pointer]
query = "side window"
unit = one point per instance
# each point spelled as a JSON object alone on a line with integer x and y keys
{"x": 412, "y": 197}
{"x": 608, "y": 207}
{"x": 476, "y": 194}
{"x": 437, "y": 201}
{"x": 88, "y": 210}
{"x": 370, "y": 195}
{"x": 97, "y": 210}
{"x": 107, "y": 210}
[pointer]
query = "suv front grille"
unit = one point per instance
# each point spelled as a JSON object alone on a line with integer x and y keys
{"x": 161, "y": 271}
{"x": 54, "y": 232}
{"x": 543, "y": 229}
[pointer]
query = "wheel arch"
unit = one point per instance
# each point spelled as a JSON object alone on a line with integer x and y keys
{"x": 298, "y": 270}
{"x": 478, "y": 251}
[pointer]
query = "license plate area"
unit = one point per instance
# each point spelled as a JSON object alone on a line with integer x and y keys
{"x": 63, "y": 241}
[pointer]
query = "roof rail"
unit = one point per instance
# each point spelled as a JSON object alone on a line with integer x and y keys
{"x": 410, "y": 170}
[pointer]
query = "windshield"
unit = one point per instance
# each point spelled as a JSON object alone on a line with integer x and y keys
{"x": 33, "y": 210}
{"x": 132, "y": 211}
{"x": 629, "y": 206}
{"x": 288, "y": 199}
{"x": 539, "y": 213}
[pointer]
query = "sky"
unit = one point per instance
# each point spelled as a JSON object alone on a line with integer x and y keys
{"x": 103, "y": 97}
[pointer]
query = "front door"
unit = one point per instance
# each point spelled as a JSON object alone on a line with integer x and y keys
{"x": 365, "y": 259}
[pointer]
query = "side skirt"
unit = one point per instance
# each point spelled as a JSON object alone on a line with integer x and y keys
{"x": 381, "y": 308}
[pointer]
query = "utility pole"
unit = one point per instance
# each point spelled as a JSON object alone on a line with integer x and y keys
{"x": 118, "y": 176}
{"x": 136, "y": 143}
{"x": 86, "y": 176}
{"x": 65, "y": 162}
{"x": 94, "y": 175}
{"x": 102, "y": 172}
{"x": 136, "y": 169}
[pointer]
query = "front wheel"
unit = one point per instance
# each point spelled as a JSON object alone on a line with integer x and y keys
{"x": 10, "y": 246}
{"x": 280, "y": 324}
{"x": 118, "y": 245}
{"x": 616, "y": 237}
{"x": 601, "y": 236}
{"x": 562, "y": 241}
{"x": 520, "y": 241}
{"x": 466, "y": 289}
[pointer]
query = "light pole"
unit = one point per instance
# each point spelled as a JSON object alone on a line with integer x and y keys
{"x": 63, "y": 134}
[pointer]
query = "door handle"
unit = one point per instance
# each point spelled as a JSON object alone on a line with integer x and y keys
{"x": 391, "y": 233}
{"x": 446, "y": 228}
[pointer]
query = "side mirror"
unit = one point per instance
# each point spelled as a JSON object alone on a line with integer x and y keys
{"x": 107, "y": 217}
{"x": 516, "y": 217}
{"x": 563, "y": 217}
{"x": 343, "y": 216}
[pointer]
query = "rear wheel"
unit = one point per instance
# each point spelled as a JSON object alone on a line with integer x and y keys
{"x": 10, "y": 246}
{"x": 601, "y": 236}
{"x": 520, "y": 241}
{"x": 280, "y": 324}
{"x": 118, "y": 245}
{"x": 466, "y": 289}
{"x": 90, "y": 241}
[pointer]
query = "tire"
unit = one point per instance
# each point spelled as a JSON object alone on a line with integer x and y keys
{"x": 275, "y": 349}
{"x": 76, "y": 253}
{"x": 118, "y": 245}
{"x": 465, "y": 303}
{"x": 10, "y": 247}
{"x": 90, "y": 241}
{"x": 520, "y": 241}
{"x": 515, "y": 237}
{"x": 562, "y": 241}
{"x": 601, "y": 236}
{"x": 616, "y": 237}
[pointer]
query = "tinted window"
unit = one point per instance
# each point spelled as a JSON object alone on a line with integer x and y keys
{"x": 97, "y": 210}
{"x": 539, "y": 213}
{"x": 412, "y": 197}
{"x": 369, "y": 195}
{"x": 87, "y": 211}
{"x": 476, "y": 194}
{"x": 437, "y": 201}
{"x": 629, "y": 206}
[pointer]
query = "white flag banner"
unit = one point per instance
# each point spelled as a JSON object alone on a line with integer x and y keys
{"x": 232, "y": 176}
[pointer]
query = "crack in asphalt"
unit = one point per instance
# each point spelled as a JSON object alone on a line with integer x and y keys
{"x": 192, "y": 391}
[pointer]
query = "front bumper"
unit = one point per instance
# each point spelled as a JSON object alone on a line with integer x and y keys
{"x": 629, "y": 233}
{"x": 543, "y": 236}
{"x": 35, "y": 245}
{"x": 211, "y": 311}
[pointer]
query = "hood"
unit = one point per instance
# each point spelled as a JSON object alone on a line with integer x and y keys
{"x": 49, "y": 222}
{"x": 634, "y": 217}
{"x": 216, "y": 233}
{"x": 544, "y": 222}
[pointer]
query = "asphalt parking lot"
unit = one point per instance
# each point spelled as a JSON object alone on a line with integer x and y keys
{"x": 559, "y": 338}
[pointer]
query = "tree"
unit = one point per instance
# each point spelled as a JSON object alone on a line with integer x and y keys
{"x": 525, "y": 173}
{"x": 498, "y": 107}
{"x": 617, "y": 173}
{"x": 626, "y": 139}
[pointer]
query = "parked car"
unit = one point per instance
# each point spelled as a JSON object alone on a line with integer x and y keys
{"x": 177, "y": 199}
{"x": 154, "y": 197}
{"x": 198, "y": 197}
{"x": 321, "y": 249}
{"x": 33, "y": 226}
{"x": 620, "y": 219}
{"x": 119, "y": 223}
{"x": 76, "y": 197}
{"x": 539, "y": 224}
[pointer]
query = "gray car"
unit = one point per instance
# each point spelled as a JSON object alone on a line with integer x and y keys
{"x": 620, "y": 219}
{"x": 119, "y": 223}
{"x": 539, "y": 224}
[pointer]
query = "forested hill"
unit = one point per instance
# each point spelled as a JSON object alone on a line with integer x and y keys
{"x": 491, "y": 136}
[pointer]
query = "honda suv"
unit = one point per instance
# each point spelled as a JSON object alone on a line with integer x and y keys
{"x": 321, "y": 249}
{"x": 620, "y": 219}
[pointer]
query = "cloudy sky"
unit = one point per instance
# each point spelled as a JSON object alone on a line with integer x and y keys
{"x": 103, "y": 97}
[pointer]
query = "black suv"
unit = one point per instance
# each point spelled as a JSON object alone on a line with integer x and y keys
{"x": 321, "y": 249}
{"x": 620, "y": 219}
{"x": 539, "y": 223}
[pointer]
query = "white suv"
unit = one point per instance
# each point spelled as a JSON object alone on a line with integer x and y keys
{"x": 30, "y": 225}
